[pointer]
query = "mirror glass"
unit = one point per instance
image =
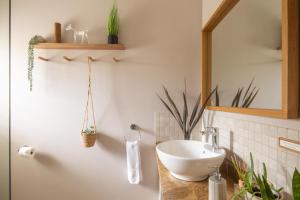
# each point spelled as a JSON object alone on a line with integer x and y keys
{"x": 246, "y": 47}
{"x": 4, "y": 100}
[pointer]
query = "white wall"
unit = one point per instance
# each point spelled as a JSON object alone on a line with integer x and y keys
{"x": 162, "y": 40}
{"x": 4, "y": 100}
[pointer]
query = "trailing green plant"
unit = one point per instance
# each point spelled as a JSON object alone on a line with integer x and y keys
{"x": 90, "y": 130}
{"x": 113, "y": 21}
{"x": 33, "y": 41}
{"x": 247, "y": 98}
{"x": 296, "y": 185}
{"x": 187, "y": 123}
{"x": 257, "y": 185}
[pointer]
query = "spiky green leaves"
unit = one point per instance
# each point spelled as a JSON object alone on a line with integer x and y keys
{"x": 247, "y": 98}
{"x": 113, "y": 21}
{"x": 186, "y": 123}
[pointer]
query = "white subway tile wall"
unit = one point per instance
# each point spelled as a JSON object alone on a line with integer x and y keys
{"x": 243, "y": 135}
{"x": 166, "y": 128}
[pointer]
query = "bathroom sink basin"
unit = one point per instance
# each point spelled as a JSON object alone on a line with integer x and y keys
{"x": 189, "y": 160}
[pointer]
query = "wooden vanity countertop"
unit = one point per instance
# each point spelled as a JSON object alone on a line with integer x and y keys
{"x": 175, "y": 189}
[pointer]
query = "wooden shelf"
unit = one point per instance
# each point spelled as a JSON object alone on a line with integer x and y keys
{"x": 80, "y": 46}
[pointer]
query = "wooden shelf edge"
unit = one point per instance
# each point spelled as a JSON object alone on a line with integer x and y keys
{"x": 80, "y": 46}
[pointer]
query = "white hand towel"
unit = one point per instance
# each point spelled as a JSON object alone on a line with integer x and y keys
{"x": 133, "y": 162}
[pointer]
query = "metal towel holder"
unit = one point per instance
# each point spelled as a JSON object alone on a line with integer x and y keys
{"x": 135, "y": 127}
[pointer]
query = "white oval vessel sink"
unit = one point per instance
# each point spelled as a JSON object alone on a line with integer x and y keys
{"x": 189, "y": 160}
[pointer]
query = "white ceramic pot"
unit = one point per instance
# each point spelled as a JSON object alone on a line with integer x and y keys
{"x": 250, "y": 197}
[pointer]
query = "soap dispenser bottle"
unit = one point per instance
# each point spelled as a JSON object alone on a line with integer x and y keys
{"x": 217, "y": 187}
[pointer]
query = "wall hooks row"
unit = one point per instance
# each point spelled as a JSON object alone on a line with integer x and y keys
{"x": 72, "y": 59}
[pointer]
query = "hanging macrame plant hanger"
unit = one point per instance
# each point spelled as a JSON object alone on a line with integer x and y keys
{"x": 88, "y": 132}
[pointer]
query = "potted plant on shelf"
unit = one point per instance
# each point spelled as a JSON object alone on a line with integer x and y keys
{"x": 187, "y": 123}
{"x": 257, "y": 186}
{"x": 89, "y": 136}
{"x": 33, "y": 41}
{"x": 113, "y": 25}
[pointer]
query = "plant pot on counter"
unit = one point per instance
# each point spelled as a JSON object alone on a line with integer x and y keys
{"x": 88, "y": 139}
{"x": 112, "y": 39}
{"x": 249, "y": 196}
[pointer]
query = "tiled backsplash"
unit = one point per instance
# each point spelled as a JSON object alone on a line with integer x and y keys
{"x": 167, "y": 128}
{"x": 242, "y": 134}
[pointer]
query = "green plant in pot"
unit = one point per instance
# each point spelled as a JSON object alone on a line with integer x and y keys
{"x": 296, "y": 185}
{"x": 240, "y": 170}
{"x": 257, "y": 186}
{"x": 186, "y": 121}
{"x": 33, "y": 41}
{"x": 113, "y": 25}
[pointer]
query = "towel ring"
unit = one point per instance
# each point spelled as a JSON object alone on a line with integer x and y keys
{"x": 134, "y": 127}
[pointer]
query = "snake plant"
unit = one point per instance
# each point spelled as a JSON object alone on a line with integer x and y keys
{"x": 187, "y": 123}
{"x": 296, "y": 185}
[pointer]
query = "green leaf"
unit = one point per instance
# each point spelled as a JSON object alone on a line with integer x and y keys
{"x": 296, "y": 185}
{"x": 217, "y": 97}
{"x": 201, "y": 111}
{"x": 171, "y": 112}
{"x": 269, "y": 193}
{"x": 251, "y": 100}
{"x": 185, "y": 111}
{"x": 265, "y": 170}
{"x": 248, "y": 89}
{"x": 195, "y": 110}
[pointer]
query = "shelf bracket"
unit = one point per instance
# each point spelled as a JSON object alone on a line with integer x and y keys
{"x": 68, "y": 59}
{"x": 44, "y": 59}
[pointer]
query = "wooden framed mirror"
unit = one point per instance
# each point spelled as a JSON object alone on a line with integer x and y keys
{"x": 241, "y": 36}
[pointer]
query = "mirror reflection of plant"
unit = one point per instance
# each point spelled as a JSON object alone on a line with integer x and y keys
{"x": 187, "y": 123}
{"x": 217, "y": 97}
{"x": 246, "y": 99}
{"x": 33, "y": 41}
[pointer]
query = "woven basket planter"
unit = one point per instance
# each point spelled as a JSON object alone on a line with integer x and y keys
{"x": 88, "y": 139}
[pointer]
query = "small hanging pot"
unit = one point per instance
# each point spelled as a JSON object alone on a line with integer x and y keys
{"x": 88, "y": 139}
{"x": 88, "y": 133}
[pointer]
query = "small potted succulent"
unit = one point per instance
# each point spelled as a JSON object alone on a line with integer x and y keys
{"x": 113, "y": 26}
{"x": 89, "y": 136}
{"x": 257, "y": 186}
{"x": 240, "y": 170}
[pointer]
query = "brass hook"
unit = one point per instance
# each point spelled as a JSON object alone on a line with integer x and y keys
{"x": 91, "y": 59}
{"x": 42, "y": 58}
{"x": 116, "y": 59}
{"x": 68, "y": 59}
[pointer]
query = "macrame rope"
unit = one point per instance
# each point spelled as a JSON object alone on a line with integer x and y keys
{"x": 89, "y": 101}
